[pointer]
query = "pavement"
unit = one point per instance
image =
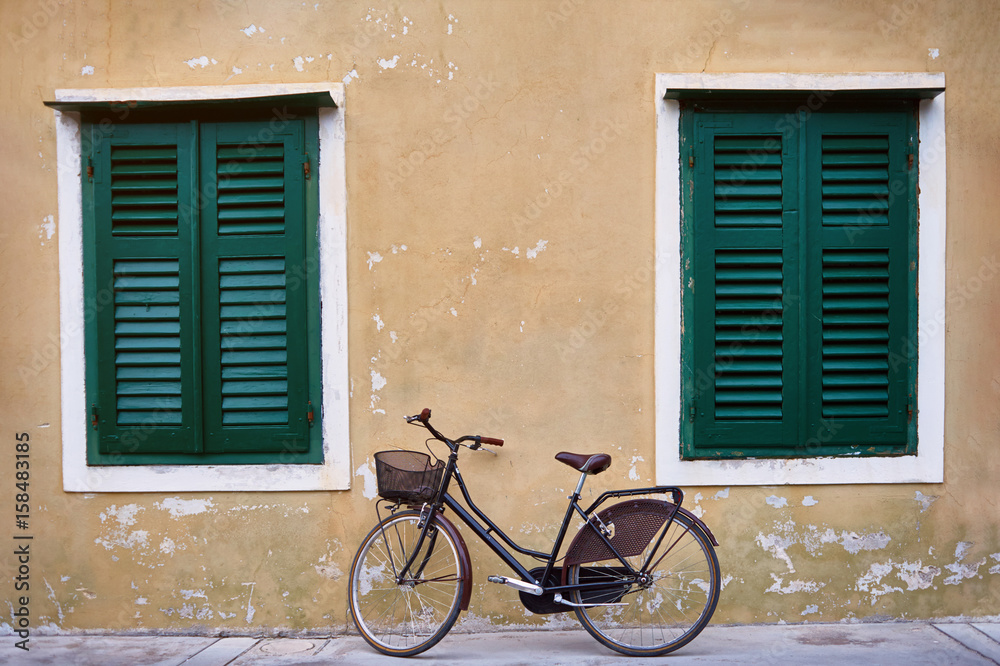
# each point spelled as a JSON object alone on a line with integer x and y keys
{"x": 909, "y": 643}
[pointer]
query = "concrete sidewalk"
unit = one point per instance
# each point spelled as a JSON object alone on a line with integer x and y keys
{"x": 909, "y": 643}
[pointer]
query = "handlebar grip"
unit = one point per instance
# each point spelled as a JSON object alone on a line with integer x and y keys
{"x": 425, "y": 414}
{"x": 491, "y": 440}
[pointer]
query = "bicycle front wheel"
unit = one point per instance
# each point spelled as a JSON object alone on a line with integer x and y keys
{"x": 665, "y": 610}
{"x": 405, "y": 617}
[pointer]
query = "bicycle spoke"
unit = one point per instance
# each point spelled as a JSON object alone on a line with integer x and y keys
{"x": 665, "y": 610}
{"x": 405, "y": 617}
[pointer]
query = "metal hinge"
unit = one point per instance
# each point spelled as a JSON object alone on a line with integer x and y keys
{"x": 691, "y": 411}
{"x": 309, "y": 414}
{"x": 909, "y": 161}
{"x": 90, "y": 171}
{"x": 93, "y": 416}
{"x": 909, "y": 413}
{"x": 305, "y": 166}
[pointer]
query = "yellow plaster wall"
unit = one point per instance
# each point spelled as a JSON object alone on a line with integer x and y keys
{"x": 500, "y": 167}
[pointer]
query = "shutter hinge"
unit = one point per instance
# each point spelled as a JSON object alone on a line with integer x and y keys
{"x": 305, "y": 166}
{"x": 691, "y": 159}
{"x": 309, "y": 414}
{"x": 93, "y": 416}
{"x": 90, "y": 171}
{"x": 691, "y": 411}
{"x": 909, "y": 161}
{"x": 909, "y": 413}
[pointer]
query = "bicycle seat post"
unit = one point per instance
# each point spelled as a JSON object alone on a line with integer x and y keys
{"x": 579, "y": 485}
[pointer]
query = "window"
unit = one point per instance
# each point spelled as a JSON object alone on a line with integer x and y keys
{"x": 799, "y": 304}
{"x": 800, "y": 278}
{"x": 198, "y": 230}
{"x": 200, "y": 236}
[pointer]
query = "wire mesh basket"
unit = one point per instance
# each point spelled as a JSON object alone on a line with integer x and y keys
{"x": 408, "y": 476}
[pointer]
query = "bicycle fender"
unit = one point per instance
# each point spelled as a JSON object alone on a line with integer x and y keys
{"x": 463, "y": 556}
{"x": 704, "y": 528}
{"x": 584, "y": 544}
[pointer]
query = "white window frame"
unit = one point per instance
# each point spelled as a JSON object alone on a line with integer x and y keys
{"x": 927, "y": 466}
{"x": 334, "y": 472}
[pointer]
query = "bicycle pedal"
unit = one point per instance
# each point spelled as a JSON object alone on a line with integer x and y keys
{"x": 521, "y": 585}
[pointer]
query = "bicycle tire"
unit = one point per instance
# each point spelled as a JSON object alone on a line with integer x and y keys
{"x": 670, "y": 610}
{"x": 404, "y": 619}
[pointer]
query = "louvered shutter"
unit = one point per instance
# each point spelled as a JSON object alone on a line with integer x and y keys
{"x": 742, "y": 373}
{"x": 800, "y": 282}
{"x": 254, "y": 288}
{"x": 143, "y": 386}
{"x": 862, "y": 268}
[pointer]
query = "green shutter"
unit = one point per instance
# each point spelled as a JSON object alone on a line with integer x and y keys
{"x": 142, "y": 388}
{"x": 255, "y": 298}
{"x": 799, "y": 283}
{"x": 742, "y": 194}
{"x": 862, "y": 267}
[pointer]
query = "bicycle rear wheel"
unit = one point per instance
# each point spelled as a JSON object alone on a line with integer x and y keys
{"x": 405, "y": 618}
{"x": 665, "y": 611}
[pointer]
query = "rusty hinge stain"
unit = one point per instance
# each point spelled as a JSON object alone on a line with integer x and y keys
{"x": 909, "y": 413}
{"x": 305, "y": 167}
{"x": 309, "y": 414}
{"x": 93, "y": 416}
{"x": 909, "y": 161}
{"x": 90, "y": 171}
{"x": 691, "y": 161}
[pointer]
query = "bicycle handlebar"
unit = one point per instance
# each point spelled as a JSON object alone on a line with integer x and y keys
{"x": 425, "y": 418}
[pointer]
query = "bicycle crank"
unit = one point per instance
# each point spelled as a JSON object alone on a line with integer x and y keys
{"x": 530, "y": 588}
{"x": 559, "y": 600}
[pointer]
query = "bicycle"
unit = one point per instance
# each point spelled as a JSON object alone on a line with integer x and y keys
{"x": 641, "y": 575}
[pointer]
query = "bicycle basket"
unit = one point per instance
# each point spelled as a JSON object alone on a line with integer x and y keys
{"x": 408, "y": 476}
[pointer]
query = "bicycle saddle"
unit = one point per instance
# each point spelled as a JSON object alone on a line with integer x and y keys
{"x": 588, "y": 463}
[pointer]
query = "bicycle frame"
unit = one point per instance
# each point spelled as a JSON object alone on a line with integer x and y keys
{"x": 486, "y": 532}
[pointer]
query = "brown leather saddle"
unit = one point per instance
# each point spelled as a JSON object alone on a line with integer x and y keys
{"x": 588, "y": 463}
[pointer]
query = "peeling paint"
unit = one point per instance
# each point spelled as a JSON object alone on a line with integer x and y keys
{"x": 250, "y": 609}
{"x": 370, "y": 490}
{"x": 777, "y": 502}
{"x": 180, "y": 507}
{"x": 373, "y": 258}
{"x": 793, "y": 586}
{"x": 52, "y": 598}
{"x": 870, "y": 582}
{"x": 810, "y": 609}
{"x": 722, "y": 494}
{"x": 87, "y": 70}
{"x": 202, "y": 61}
{"x": 378, "y": 383}
{"x": 388, "y": 64}
{"x": 813, "y": 539}
{"x": 809, "y": 501}
{"x": 962, "y": 571}
{"x": 47, "y": 228}
{"x": 924, "y": 500}
{"x": 633, "y": 474}
{"x": 533, "y": 252}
